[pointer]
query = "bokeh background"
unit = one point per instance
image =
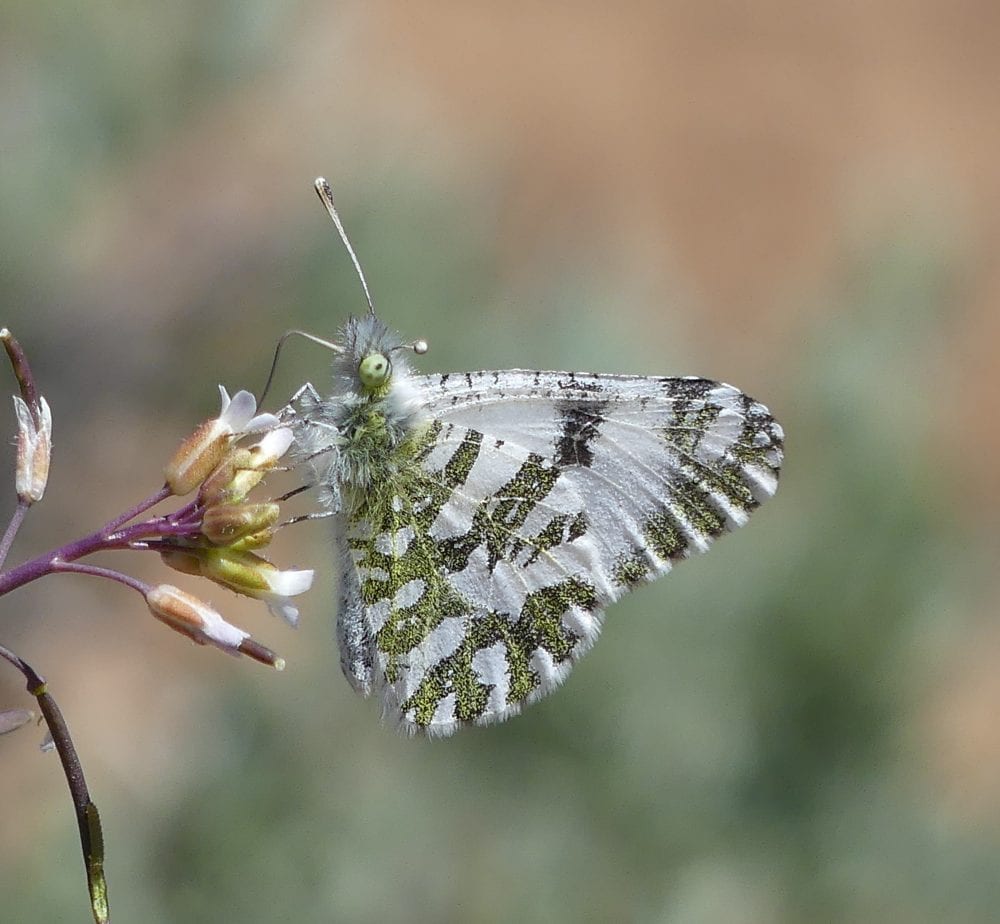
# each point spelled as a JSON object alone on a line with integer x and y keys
{"x": 800, "y": 198}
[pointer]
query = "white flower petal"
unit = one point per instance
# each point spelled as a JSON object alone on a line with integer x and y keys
{"x": 221, "y": 633}
{"x": 285, "y": 610}
{"x": 239, "y": 411}
{"x": 274, "y": 445}
{"x": 46, "y": 414}
{"x": 25, "y": 422}
{"x": 289, "y": 583}
{"x": 261, "y": 423}
{"x": 11, "y": 719}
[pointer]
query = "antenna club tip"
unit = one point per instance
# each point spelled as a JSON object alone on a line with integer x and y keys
{"x": 420, "y": 347}
{"x": 320, "y": 182}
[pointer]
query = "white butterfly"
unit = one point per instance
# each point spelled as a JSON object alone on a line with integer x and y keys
{"x": 484, "y": 520}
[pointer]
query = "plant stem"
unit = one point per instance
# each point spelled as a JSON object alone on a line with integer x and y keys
{"x": 87, "y": 817}
{"x": 141, "y": 507}
{"x": 67, "y": 567}
{"x": 109, "y": 537}
{"x": 12, "y": 527}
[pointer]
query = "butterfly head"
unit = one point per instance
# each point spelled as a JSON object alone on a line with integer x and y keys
{"x": 364, "y": 364}
{"x": 374, "y": 371}
{"x": 373, "y": 358}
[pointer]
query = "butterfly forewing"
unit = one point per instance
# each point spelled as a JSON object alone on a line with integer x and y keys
{"x": 526, "y": 503}
{"x": 695, "y": 450}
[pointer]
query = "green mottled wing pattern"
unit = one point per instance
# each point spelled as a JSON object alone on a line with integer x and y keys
{"x": 477, "y": 574}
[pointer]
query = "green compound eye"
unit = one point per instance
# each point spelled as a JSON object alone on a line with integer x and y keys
{"x": 374, "y": 370}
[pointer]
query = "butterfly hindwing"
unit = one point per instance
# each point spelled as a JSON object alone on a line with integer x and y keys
{"x": 525, "y": 504}
{"x": 466, "y": 610}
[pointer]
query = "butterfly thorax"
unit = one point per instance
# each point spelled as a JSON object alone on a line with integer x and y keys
{"x": 378, "y": 455}
{"x": 374, "y": 415}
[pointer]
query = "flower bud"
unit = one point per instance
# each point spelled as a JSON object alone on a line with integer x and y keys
{"x": 197, "y": 456}
{"x": 243, "y": 572}
{"x": 34, "y": 449}
{"x": 186, "y": 561}
{"x": 226, "y": 524}
{"x": 220, "y": 486}
{"x": 201, "y": 623}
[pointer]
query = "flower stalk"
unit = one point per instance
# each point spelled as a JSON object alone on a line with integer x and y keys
{"x": 87, "y": 817}
{"x": 217, "y": 534}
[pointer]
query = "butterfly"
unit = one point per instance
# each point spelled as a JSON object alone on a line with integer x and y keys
{"x": 485, "y": 520}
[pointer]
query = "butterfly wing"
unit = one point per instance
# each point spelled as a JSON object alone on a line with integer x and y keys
{"x": 461, "y": 613}
{"x": 697, "y": 455}
{"x": 531, "y": 502}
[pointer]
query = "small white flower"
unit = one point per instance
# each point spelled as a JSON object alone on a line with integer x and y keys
{"x": 245, "y": 468}
{"x": 237, "y": 413}
{"x": 204, "y": 449}
{"x": 253, "y": 576}
{"x": 282, "y": 585}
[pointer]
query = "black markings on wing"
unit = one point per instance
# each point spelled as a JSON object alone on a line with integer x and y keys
{"x": 538, "y": 627}
{"x": 579, "y": 426}
{"x": 499, "y": 517}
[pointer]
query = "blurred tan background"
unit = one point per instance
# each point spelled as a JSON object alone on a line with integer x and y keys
{"x": 801, "y": 199}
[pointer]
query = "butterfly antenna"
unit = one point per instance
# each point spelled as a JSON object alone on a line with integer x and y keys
{"x": 418, "y": 346}
{"x": 326, "y": 197}
{"x": 329, "y": 344}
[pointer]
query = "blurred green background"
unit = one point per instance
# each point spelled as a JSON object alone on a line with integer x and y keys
{"x": 800, "y": 199}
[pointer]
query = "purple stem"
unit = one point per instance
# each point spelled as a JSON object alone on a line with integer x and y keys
{"x": 76, "y": 568}
{"x": 15, "y": 524}
{"x": 110, "y": 537}
{"x": 141, "y": 507}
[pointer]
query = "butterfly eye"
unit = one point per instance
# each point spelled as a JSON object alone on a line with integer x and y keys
{"x": 374, "y": 370}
